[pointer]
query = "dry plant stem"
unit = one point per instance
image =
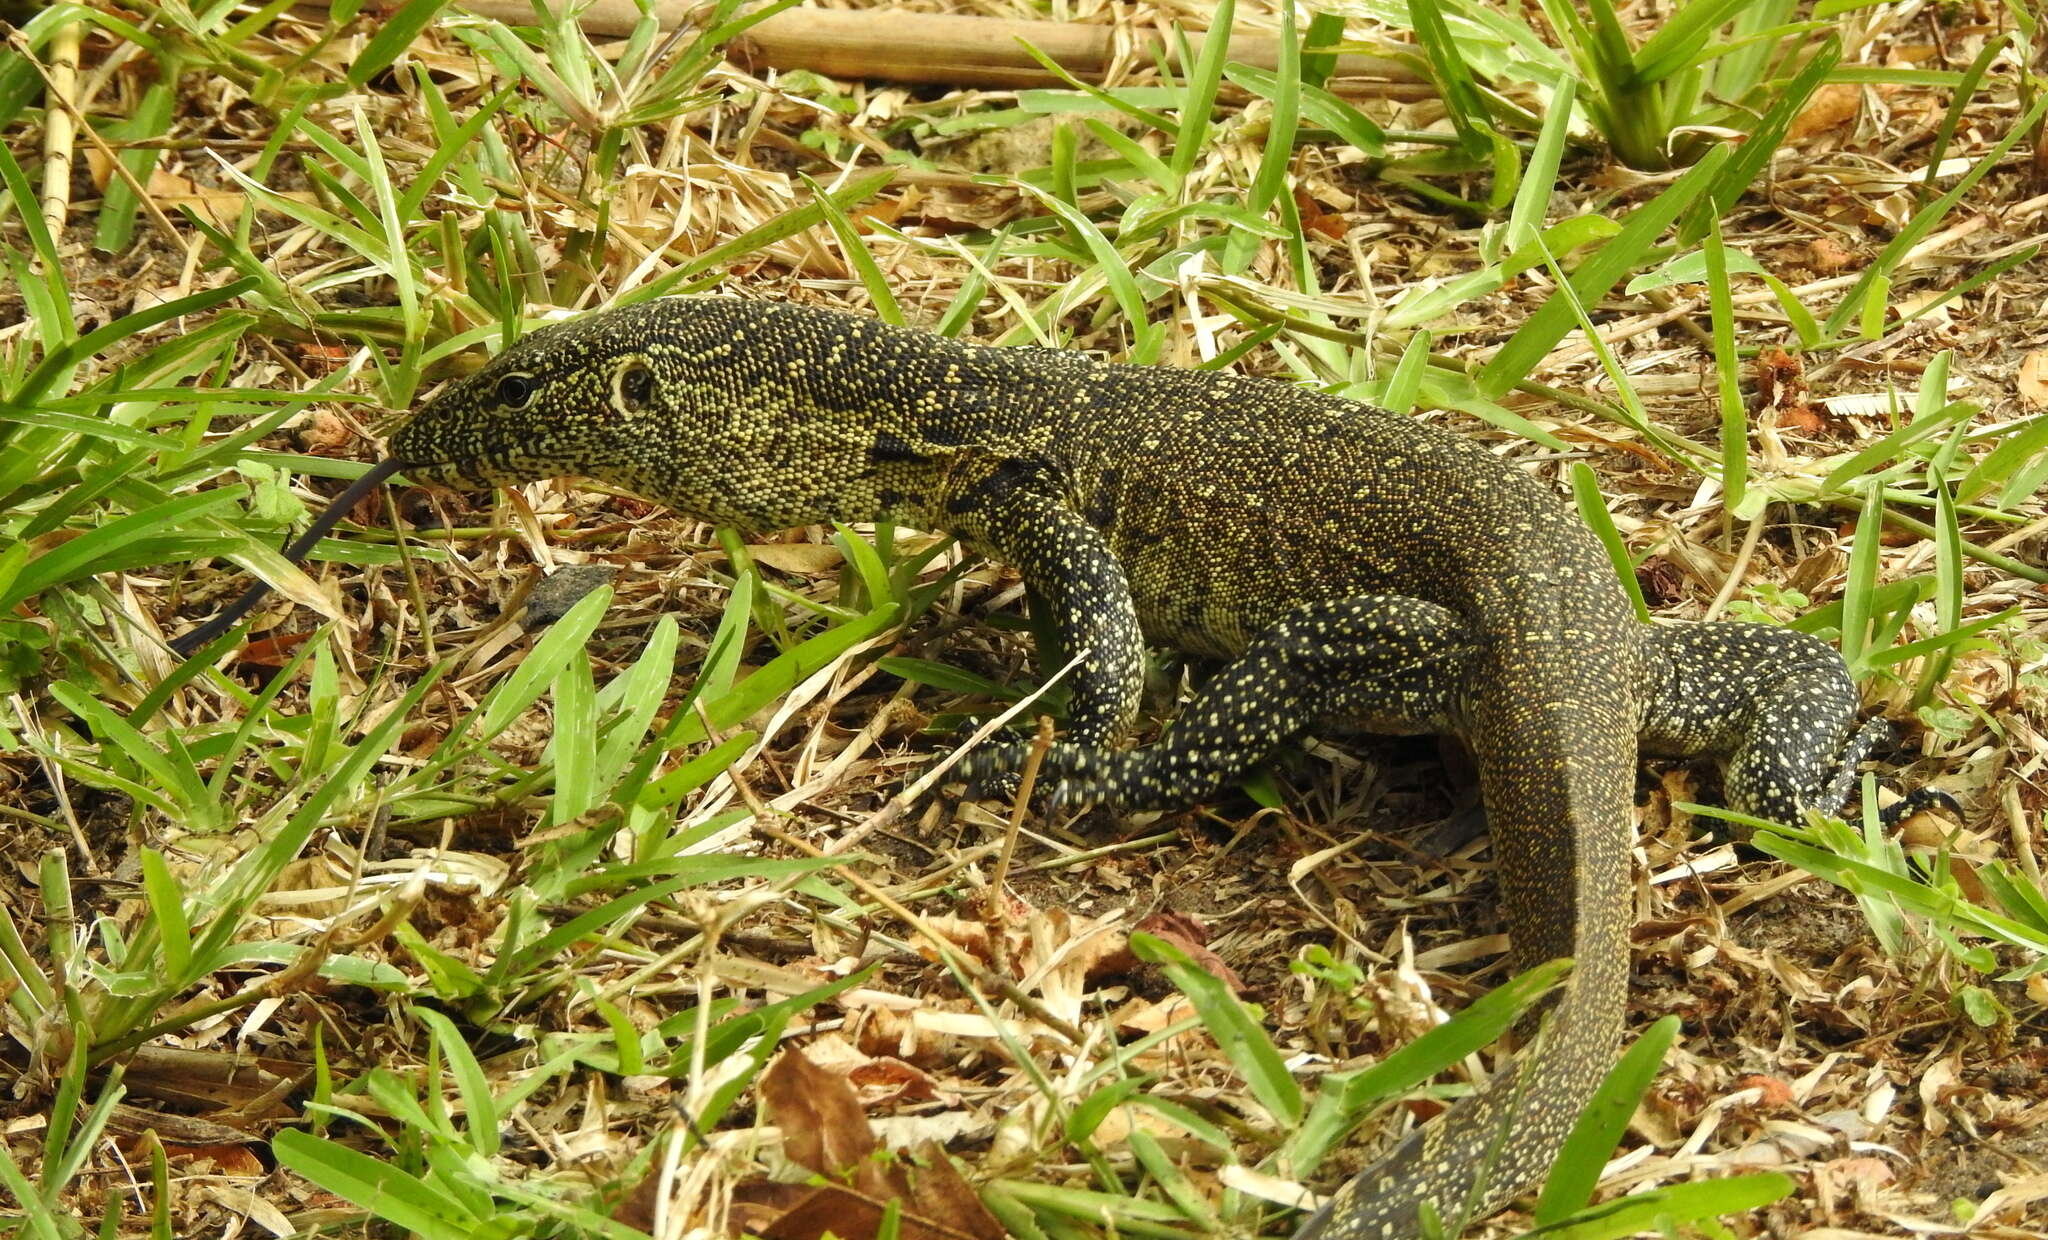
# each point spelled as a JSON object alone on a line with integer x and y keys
{"x": 952, "y": 955}
{"x": 995, "y": 905}
{"x": 1736, "y": 571}
{"x": 60, "y": 127}
{"x": 2022, "y": 836}
{"x": 71, "y": 118}
{"x": 935, "y": 881}
{"x": 1027, "y": 783}
{"x": 1757, "y": 893}
{"x": 2020, "y": 535}
{"x": 888, "y": 814}
{"x": 2003, "y": 563}
{"x": 711, "y": 929}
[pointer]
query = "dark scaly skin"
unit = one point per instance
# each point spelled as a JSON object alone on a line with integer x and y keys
{"x": 1362, "y": 569}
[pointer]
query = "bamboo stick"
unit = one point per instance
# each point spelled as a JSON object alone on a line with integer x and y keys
{"x": 951, "y": 50}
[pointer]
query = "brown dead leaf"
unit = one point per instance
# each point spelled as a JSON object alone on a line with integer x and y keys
{"x": 1191, "y": 937}
{"x": 271, "y": 652}
{"x": 888, "y": 1080}
{"x": 824, "y": 1128}
{"x": 832, "y": 1210}
{"x": 224, "y": 1159}
{"x": 942, "y": 1192}
{"x": 798, "y": 557}
{"x": 1779, "y": 377}
{"x": 969, "y": 934}
{"x": 888, "y": 210}
{"x": 1870, "y": 1172}
{"x": 2032, "y": 379}
{"x": 641, "y": 1203}
{"x": 1661, "y": 581}
{"x": 1802, "y": 418}
{"x": 1929, "y": 833}
{"x": 1773, "y": 1093}
{"x": 220, "y": 207}
{"x": 1833, "y": 107}
{"x": 1315, "y": 219}
{"x": 1147, "y": 1016}
{"x": 325, "y": 434}
{"x": 1827, "y": 255}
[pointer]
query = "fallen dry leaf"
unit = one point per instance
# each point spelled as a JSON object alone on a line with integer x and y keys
{"x": 2032, "y": 379}
{"x": 1188, "y": 935}
{"x": 826, "y": 1130}
{"x": 1833, "y": 107}
{"x": 1772, "y": 1092}
{"x": 824, "y": 1127}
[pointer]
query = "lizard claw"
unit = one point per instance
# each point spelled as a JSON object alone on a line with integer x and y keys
{"x": 1915, "y": 801}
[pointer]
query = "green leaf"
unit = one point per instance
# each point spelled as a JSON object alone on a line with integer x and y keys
{"x": 1600, "y": 1126}
{"x": 1191, "y": 142}
{"x": 381, "y": 1188}
{"x": 543, "y": 664}
{"x": 1525, "y": 351}
{"x": 1734, "y": 414}
{"x": 1593, "y": 511}
{"x": 395, "y": 30}
{"x": 1233, "y": 1026}
{"x": 1666, "y": 1208}
{"x": 1319, "y": 106}
{"x": 479, "y": 1110}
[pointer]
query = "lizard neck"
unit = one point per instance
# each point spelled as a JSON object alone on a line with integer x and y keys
{"x": 843, "y": 419}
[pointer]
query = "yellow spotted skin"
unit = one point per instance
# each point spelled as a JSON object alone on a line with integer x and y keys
{"x": 1359, "y": 568}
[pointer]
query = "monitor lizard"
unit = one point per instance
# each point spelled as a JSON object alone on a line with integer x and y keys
{"x": 1356, "y": 568}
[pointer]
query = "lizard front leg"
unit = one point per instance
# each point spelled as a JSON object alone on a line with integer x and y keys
{"x": 1075, "y": 576}
{"x": 1775, "y": 705}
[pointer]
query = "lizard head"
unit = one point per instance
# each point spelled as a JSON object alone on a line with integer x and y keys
{"x": 572, "y": 398}
{"x": 762, "y": 415}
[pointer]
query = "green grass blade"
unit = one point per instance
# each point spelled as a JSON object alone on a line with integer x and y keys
{"x": 1762, "y": 143}
{"x": 399, "y": 27}
{"x": 1734, "y": 414}
{"x": 1965, "y": 94}
{"x": 1600, "y": 1126}
{"x": 563, "y": 640}
{"x": 1242, "y": 1038}
{"x": 479, "y": 1109}
{"x": 378, "y": 1187}
{"x": 573, "y": 748}
{"x": 1927, "y": 218}
{"x": 1532, "y": 196}
{"x": 1318, "y": 106}
{"x": 1325, "y": 31}
{"x": 1862, "y": 580}
{"x": 872, "y": 278}
{"x": 1462, "y": 100}
{"x": 1191, "y": 140}
{"x": 1593, "y": 511}
{"x": 1525, "y": 351}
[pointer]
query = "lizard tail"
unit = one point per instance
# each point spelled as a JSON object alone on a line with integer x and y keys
{"x": 1558, "y": 789}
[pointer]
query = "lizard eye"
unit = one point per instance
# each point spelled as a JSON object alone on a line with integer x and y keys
{"x": 514, "y": 391}
{"x": 634, "y": 388}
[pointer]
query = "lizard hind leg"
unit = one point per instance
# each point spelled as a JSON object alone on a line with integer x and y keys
{"x": 1379, "y": 662}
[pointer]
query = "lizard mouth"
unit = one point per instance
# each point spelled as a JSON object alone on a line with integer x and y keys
{"x": 461, "y": 474}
